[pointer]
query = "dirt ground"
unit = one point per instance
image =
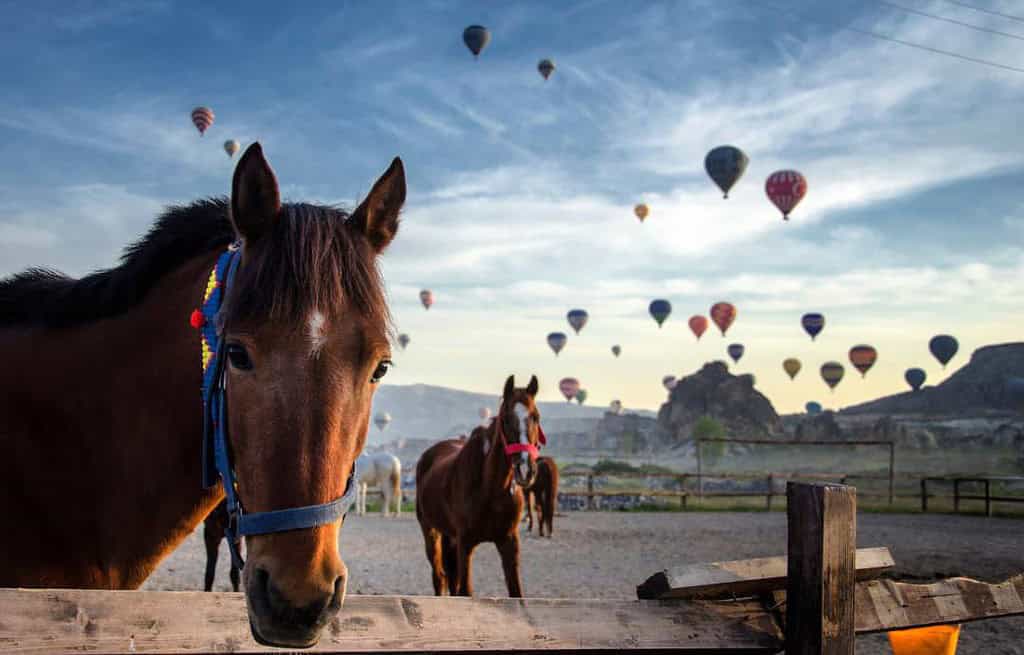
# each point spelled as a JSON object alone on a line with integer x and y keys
{"x": 606, "y": 554}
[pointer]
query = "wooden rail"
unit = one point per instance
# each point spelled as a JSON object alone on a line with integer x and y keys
{"x": 987, "y": 496}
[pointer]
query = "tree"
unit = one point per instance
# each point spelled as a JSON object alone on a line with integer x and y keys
{"x": 708, "y": 428}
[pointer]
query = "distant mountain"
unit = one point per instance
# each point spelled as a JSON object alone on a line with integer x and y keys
{"x": 991, "y": 383}
{"x": 421, "y": 411}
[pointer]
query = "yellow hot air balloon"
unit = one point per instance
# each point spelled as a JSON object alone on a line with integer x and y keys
{"x": 792, "y": 367}
{"x": 641, "y": 211}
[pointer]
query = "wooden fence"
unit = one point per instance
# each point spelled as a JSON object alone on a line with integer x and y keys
{"x": 813, "y": 601}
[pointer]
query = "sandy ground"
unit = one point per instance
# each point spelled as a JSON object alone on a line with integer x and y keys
{"x": 606, "y": 554}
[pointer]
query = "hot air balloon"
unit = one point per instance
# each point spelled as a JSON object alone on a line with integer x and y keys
{"x": 669, "y": 382}
{"x": 659, "y": 310}
{"x": 577, "y": 319}
{"x": 832, "y": 373}
{"x": 484, "y": 413}
{"x": 569, "y": 387}
{"x": 813, "y": 324}
{"x": 735, "y": 351}
{"x": 231, "y": 147}
{"x": 863, "y": 358}
{"x": 725, "y": 165}
{"x": 202, "y": 118}
{"x": 556, "y": 340}
{"x": 792, "y": 367}
{"x": 785, "y": 189}
{"x": 723, "y": 314}
{"x": 698, "y": 325}
{"x": 403, "y": 340}
{"x": 616, "y": 350}
{"x": 641, "y": 211}
{"x": 427, "y": 298}
{"x": 943, "y": 348}
{"x": 581, "y": 396}
{"x": 476, "y": 38}
{"x": 382, "y": 419}
{"x": 546, "y": 67}
{"x": 915, "y": 377}
{"x": 813, "y": 408}
{"x": 616, "y": 407}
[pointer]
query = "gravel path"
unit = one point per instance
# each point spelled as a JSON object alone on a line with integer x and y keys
{"x": 606, "y": 554}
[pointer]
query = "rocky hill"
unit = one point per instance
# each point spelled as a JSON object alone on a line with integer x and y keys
{"x": 714, "y": 391}
{"x": 992, "y": 383}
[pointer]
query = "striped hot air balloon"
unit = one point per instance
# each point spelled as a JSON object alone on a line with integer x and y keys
{"x": 723, "y": 314}
{"x": 832, "y": 373}
{"x": 202, "y": 118}
{"x": 569, "y": 388}
{"x": 785, "y": 189}
{"x": 863, "y": 357}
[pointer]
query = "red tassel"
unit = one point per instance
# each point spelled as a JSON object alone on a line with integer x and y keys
{"x": 197, "y": 319}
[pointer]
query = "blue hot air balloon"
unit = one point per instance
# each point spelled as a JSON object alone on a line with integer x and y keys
{"x": 915, "y": 377}
{"x": 813, "y": 324}
{"x": 813, "y": 408}
{"x": 725, "y": 165}
{"x": 557, "y": 341}
{"x": 476, "y": 38}
{"x": 660, "y": 309}
{"x": 943, "y": 347}
{"x": 577, "y": 319}
{"x": 735, "y": 351}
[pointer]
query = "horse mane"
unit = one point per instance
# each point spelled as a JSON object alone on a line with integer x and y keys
{"x": 308, "y": 262}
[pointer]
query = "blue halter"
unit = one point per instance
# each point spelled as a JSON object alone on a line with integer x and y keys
{"x": 216, "y": 452}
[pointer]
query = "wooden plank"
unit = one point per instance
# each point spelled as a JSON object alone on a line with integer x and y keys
{"x": 820, "y": 571}
{"x": 884, "y": 605}
{"x": 746, "y": 577}
{"x": 73, "y": 621}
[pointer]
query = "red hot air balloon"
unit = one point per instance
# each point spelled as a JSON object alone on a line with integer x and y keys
{"x": 723, "y": 314}
{"x": 785, "y": 189}
{"x": 202, "y": 118}
{"x": 569, "y": 388}
{"x": 698, "y": 325}
{"x": 863, "y": 358}
{"x": 427, "y": 298}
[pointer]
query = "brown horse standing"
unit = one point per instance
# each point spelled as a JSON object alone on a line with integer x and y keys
{"x": 469, "y": 492}
{"x": 101, "y": 419}
{"x": 543, "y": 495}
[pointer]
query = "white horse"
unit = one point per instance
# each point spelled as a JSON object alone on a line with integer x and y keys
{"x": 380, "y": 470}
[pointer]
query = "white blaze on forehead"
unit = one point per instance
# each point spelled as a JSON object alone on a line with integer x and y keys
{"x": 523, "y": 415}
{"x": 316, "y": 327}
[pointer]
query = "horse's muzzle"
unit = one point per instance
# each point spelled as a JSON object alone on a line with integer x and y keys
{"x": 276, "y": 622}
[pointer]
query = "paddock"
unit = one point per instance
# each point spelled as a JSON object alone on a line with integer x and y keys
{"x": 604, "y": 555}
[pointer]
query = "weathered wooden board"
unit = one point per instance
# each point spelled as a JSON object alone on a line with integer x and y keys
{"x": 75, "y": 621}
{"x": 744, "y": 577}
{"x": 884, "y": 605}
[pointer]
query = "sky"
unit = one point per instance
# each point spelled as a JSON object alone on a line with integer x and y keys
{"x": 521, "y": 191}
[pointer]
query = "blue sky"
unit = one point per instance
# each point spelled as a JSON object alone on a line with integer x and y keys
{"x": 521, "y": 190}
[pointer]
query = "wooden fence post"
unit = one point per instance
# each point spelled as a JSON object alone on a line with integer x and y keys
{"x": 924, "y": 495}
{"x": 820, "y": 572}
{"x": 988, "y": 497}
{"x": 771, "y": 489}
{"x": 590, "y": 491}
{"x": 700, "y": 477}
{"x": 892, "y": 472}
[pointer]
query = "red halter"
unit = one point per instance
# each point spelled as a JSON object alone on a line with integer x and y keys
{"x": 512, "y": 449}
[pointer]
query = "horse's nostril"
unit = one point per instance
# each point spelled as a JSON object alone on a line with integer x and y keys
{"x": 259, "y": 595}
{"x": 338, "y": 599}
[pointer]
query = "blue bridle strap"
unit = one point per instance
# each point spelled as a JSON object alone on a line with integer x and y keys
{"x": 216, "y": 458}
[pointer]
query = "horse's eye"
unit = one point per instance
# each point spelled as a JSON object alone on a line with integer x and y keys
{"x": 238, "y": 357}
{"x": 381, "y": 371}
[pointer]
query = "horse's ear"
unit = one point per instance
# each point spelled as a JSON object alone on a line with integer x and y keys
{"x": 533, "y": 387}
{"x": 255, "y": 198}
{"x": 510, "y": 385}
{"x": 377, "y": 216}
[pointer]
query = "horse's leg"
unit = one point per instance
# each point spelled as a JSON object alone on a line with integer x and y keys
{"x": 213, "y": 532}
{"x": 549, "y": 510}
{"x": 385, "y": 508}
{"x": 450, "y": 557}
{"x": 465, "y": 556}
{"x": 235, "y": 576}
{"x": 508, "y": 548}
{"x": 538, "y": 503}
{"x": 432, "y": 540}
{"x": 529, "y": 512}
{"x": 397, "y": 486}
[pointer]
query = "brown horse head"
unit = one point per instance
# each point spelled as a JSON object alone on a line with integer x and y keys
{"x": 307, "y": 335}
{"x": 519, "y": 423}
